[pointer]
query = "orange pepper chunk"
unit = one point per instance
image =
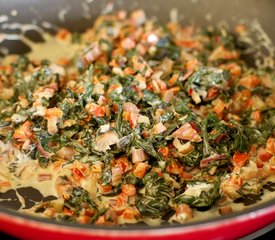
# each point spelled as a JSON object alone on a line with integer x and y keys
{"x": 239, "y": 159}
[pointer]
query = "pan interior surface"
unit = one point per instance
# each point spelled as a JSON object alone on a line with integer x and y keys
{"x": 77, "y": 16}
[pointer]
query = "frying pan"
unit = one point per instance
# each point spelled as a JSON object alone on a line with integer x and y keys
{"x": 78, "y": 15}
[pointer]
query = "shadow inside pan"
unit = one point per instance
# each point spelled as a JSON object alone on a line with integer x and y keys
{"x": 29, "y": 197}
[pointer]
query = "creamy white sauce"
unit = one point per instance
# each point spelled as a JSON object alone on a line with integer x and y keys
{"x": 53, "y": 50}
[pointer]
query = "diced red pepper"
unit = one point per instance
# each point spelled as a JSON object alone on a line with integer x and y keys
{"x": 264, "y": 155}
{"x": 239, "y": 159}
{"x": 164, "y": 151}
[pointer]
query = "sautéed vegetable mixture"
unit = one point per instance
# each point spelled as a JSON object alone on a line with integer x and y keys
{"x": 141, "y": 122}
